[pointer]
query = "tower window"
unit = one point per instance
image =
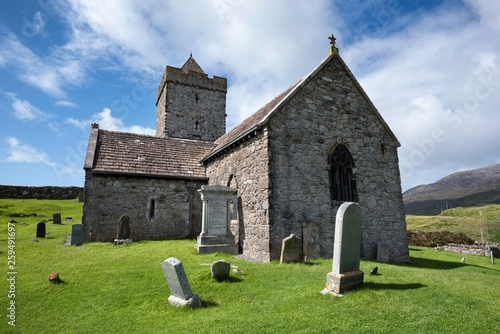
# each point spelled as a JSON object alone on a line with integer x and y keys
{"x": 197, "y": 126}
{"x": 342, "y": 176}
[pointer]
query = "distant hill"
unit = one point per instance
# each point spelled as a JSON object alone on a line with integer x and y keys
{"x": 468, "y": 188}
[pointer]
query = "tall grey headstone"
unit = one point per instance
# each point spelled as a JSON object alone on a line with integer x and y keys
{"x": 180, "y": 291}
{"x": 40, "y": 230}
{"x": 345, "y": 274}
{"x": 77, "y": 234}
{"x": 216, "y": 236}
{"x": 291, "y": 249}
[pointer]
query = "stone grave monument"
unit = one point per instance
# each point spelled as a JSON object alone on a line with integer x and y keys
{"x": 76, "y": 235}
{"x": 40, "y": 229}
{"x": 345, "y": 274}
{"x": 220, "y": 270}
{"x": 215, "y": 233}
{"x": 291, "y": 249}
{"x": 56, "y": 218}
{"x": 180, "y": 291}
{"x": 383, "y": 252}
{"x": 310, "y": 237}
{"x": 123, "y": 231}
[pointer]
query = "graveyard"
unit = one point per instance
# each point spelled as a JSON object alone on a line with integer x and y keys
{"x": 122, "y": 288}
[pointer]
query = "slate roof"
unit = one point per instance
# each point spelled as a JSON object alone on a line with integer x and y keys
{"x": 111, "y": 152}
{"x": 256, "y": 121}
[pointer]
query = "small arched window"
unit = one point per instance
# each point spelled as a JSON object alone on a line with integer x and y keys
{"x": 197, "y": 126}
{"x": 342, "y": 175}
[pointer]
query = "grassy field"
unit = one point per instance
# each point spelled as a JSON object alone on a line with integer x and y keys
{"x": 121, "y": 289}
{"x": 470, "y": 221}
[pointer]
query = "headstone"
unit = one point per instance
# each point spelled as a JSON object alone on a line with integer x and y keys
{"x": 69, "y": 219}
{"x": 180, "y": 291}
{"x": 123, "y": 231}
{"x": 77, "y": 234}
{"x": 291, "y": 249}
{"x": 220, "y": 270}
{"x": 56, "y": 218}
{"x": 345, "y": 274}
{"x": 40, "y": 230}
{"x": 383, "y": 252}
{"x": 310, "y": 239}
{"x": 216, "y": 233}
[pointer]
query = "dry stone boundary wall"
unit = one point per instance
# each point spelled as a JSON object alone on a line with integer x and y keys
{"x": 44, "y": 192}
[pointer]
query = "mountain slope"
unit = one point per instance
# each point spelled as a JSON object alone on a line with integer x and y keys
{"x": 468, "y": 188}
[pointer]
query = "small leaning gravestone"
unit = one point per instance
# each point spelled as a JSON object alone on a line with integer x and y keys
{"x": 180, "y": 291}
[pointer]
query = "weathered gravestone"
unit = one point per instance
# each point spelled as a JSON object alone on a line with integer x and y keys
{"x": 383, "y": 252}
{"x": 56, "y": 218}
{"x": 345, "y": 274}
{"x": 310, "y": 240}
{"x": 220, "y": 270}
{"x": 123, "y": 231}
{"x": 180, "y": 291}
{"x": 77, "y": 234}
{"x": 216, "y": 233}
{"x": 40, "y": 230}
{"x": 291, "y": 249}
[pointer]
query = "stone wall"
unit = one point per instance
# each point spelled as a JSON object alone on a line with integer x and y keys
{"x": 191, "y": 105}
{"x": 158, "y": 208}
{"x": 46, "y": 192}
{"x": 477, "y": 249}
{"x": 329, "y": 110}
{"x": 246, "y": 168}
{"x": 293, "y": 151}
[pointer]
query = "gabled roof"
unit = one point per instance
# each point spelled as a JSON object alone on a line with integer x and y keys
{"x": 111, "y": 152}
{"x": 191, "y": 65}
{"x": 256, "y": 121}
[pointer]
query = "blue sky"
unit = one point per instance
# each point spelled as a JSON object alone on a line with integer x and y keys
{"x": 431, "y": 68}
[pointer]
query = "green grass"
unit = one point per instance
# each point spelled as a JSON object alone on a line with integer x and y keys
{"x": 469, "y": 221}
{"x": 121, "y": 289}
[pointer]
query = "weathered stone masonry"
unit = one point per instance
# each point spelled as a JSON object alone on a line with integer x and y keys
{"x": 176, "y": 212}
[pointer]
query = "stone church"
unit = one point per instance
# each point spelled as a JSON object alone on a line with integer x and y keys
{"x": 293, "y": 162}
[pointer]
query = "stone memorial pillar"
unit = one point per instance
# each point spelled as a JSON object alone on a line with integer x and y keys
{"x": 345, "y": 274}
{"x": 216, "y": 233}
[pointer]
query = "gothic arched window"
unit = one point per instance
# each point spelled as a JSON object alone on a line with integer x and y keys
{"x": 342, "y": 175}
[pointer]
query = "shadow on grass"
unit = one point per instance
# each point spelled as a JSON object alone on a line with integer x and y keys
{"x": 208, "y": 303}
{"x": 391, "y": 286}
{"x": 435, "y": 264}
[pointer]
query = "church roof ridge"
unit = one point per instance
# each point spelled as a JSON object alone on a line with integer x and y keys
{"x": 262, "y": 115}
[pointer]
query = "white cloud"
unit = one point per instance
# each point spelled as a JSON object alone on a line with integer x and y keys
{"x": 106, "y": 121}
{"x": 67, "y": 104}
{"x": 17, "y": 151}
{"x": 436, "y": 83}
{"x": 25, "y": 111}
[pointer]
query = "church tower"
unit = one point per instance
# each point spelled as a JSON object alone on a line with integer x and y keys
{"x": 189, "y": 104}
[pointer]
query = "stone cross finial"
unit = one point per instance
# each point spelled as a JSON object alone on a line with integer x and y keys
{"x": 332, "y": 49}
{"x": 332, "y": 40}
